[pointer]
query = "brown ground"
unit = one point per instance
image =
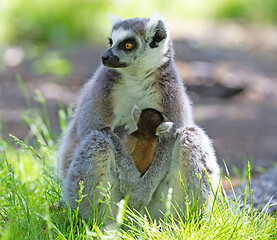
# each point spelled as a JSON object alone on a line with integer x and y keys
{"x": 243, "y": 126}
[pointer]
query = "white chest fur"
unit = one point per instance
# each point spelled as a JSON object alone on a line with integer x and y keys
{"x": 133, "y": 91}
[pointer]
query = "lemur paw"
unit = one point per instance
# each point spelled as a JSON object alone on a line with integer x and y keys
{"x": 164, "y": 129}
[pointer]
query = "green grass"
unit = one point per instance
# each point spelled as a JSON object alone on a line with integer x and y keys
{"x": 60, "y": 22}
{"x": 30, "y": 188}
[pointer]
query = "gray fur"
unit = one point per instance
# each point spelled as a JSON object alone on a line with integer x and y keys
{"x": 136, "y": 25}
{"x": 109, "y": 105}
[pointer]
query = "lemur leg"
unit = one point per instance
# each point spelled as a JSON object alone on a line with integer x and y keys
{"x": 191, "y": 155}
{"x": 67, "y": 149}
{"x": 194, "y": 156}
{"x": 92, "y": 164}
{"x": 96, "y": 161}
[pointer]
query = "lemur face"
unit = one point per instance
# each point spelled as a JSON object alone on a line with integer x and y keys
{"x": 137, "y": 45}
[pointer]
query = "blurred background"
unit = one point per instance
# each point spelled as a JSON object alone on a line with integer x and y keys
{"x": 226, "y": 51}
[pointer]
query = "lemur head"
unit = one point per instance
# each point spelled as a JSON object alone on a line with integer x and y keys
{"x": 137, "y": 45}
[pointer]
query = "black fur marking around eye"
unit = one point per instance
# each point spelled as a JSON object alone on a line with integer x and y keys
{"x": 110, "y": 41}
{"x": 121, "y": 45}
{"x": 153, "y": 44}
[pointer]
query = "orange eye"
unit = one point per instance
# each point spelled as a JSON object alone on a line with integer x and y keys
{"x": 110, "y": 42}
{"x": 128, "y": 46}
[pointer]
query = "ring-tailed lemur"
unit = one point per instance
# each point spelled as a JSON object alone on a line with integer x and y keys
{"x": 138, "y": 72}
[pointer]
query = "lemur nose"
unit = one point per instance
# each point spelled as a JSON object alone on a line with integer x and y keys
{"x": 110, "y": 60}
{"x": 105, "y": 57}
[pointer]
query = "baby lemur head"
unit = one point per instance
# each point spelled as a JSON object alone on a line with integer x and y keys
{"x": 149, "y": 121}
{"x": 138, "y": 46}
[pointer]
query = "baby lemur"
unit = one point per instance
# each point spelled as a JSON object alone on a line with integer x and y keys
{"x": 142, "y": 143}
{"x": 133, "y": 127}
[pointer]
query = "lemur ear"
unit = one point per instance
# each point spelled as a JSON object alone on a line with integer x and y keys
{"x": 114, "y": 19}
{"x": 156, "y": 31}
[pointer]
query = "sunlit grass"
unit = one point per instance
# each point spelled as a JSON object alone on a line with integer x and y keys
{"x": 60, "y": 22}
{"x": 30, "y": 191}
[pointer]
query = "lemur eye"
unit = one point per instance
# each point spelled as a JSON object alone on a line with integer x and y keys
{"x": 128, "y": 46}
{"x": 110, "y": 42}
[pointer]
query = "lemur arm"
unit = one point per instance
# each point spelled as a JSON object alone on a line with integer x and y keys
{"x": 143, "y": 192}
{"x": 128, "y": 173}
